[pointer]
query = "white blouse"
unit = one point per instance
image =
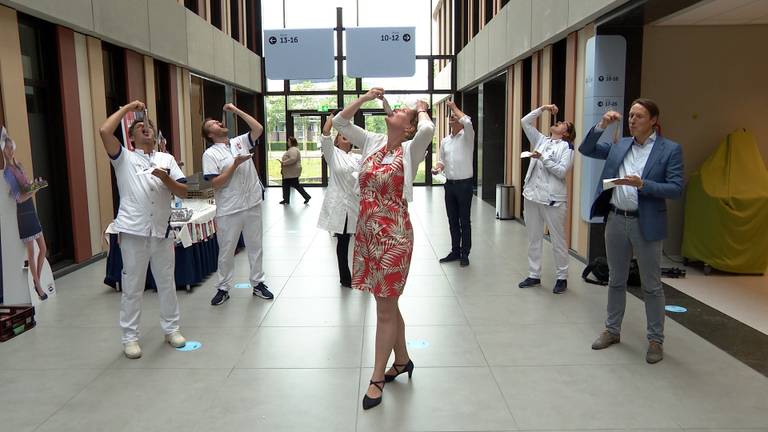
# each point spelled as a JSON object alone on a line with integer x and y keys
{"x": 342, "y": 198}
{"x": 369, "y": 142}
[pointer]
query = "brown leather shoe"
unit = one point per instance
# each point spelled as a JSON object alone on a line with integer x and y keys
{"x": 655, "y": 352}
{"x": 605, "y": 340}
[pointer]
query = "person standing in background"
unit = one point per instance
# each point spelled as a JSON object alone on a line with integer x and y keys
{"x": 290, "y": 168}
{"x": 342, "y": 200}
{"x": 456, "y": 153}
{"x": 546, "y": 195}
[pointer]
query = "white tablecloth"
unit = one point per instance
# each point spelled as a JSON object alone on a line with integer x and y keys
{"x": 198, "y": 228}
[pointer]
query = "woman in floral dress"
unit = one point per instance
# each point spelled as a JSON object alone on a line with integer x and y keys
{"x": 384, "y": 235}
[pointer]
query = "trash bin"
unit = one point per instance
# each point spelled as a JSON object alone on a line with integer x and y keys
{"x": 505, "y": 201}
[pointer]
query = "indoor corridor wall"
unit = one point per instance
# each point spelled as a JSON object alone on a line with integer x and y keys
{"x": 708, "y": 82}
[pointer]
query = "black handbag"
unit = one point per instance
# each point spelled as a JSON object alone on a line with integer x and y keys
{"x": 599, "y": 269}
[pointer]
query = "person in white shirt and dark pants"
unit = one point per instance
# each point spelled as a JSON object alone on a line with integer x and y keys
{"x": 342, "y": 198}
{"x": 545, "y": 192}
{"x": 228, "y": 163}
{"x": 145, "y": 180}
{"x": 456, "y": 154}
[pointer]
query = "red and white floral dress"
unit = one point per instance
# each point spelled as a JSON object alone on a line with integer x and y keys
{"x": 384, "y": 238}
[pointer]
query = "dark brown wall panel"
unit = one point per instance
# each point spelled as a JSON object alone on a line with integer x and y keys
{"x": 73, "y": 142}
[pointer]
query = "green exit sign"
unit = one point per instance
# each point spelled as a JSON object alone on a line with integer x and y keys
{"x": 323, "y": 108}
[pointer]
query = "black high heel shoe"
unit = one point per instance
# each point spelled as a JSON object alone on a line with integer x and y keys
{"x": 43, "y": 296}
{"x": 408, "y": 367}
{"x": 369, "y": 402}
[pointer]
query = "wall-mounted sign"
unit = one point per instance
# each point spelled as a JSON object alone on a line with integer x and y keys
{"x": 603, "y": 91}
{"x": 377, "y": 52}
{"x": 299, "y": 54}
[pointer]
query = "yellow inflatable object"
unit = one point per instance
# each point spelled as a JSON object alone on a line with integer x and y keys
{"x": 726, "y": 208}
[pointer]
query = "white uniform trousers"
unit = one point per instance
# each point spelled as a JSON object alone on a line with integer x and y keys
{"x": 228, "y": 229}
{"x": 137, "y": 252}
{"x": 536, "y": 216}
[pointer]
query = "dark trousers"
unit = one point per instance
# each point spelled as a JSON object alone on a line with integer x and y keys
{"x": 458, "y": 201}
{"x": 293, "y": 182}
{"x": 342, "y": 256}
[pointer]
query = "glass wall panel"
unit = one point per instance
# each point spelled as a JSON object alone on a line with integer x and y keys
{"x": 419, "y": 81}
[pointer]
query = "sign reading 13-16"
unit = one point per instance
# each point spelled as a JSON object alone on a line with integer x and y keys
{"x": 381, "y": 51}
{"x": 299, "y": 54}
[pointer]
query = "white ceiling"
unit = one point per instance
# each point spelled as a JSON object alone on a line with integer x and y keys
{"x": 720, "y": 12}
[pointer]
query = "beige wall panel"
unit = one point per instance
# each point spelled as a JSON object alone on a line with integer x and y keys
{"x": 89, "y": 143}
{"x": 200, "y": 43}
{"x": 497, "y": 41}
{"x": 545, "y": 87}
{"x": 469, "y": 64}
{"x": 99, "y": 115}
{"x": 518, "y": 27}
{"x": 167, "y": 25}
{"x": 12, "y": 86}
{"x": 184, "y": 131}
{"x": 579, "y": 228}
{"x": 517, "y": 136}
{"x": 223, "y": 56}
{"x": 242, "y": 66}
{"x": 548, "y": 19}
{"x": 187, "y": 144}
{"x": 461, "y": 71}
{"x": 149, "y": 90}
{"x": 124, "y": 22}
{"x": 583, "y": 11}
{"x": 481, "y": 54}
{"x": 256, "y": 73}
{"x": 76, "y": 14}
{"x": 708, "y": 81}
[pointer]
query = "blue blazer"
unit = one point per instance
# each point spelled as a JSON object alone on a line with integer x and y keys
{"x": 662, "y": 179}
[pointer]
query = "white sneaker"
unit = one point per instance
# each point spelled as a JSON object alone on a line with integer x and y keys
{"x": 176, "y": 339}
{"x": 132, "y": 350}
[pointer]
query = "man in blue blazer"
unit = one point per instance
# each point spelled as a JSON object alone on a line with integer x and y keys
{"x": 641, "y": 172}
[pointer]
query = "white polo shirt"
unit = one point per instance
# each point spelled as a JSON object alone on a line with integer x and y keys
{"x": 244, "y": 189}
{"x": 456, "y": 152}
{"x": 145, "y": 202}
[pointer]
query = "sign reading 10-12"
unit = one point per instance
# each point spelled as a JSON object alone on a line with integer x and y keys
{"x": 381, "y": 51}
{"x": 299, "y": 54}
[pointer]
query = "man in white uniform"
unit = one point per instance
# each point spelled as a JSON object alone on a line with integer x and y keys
{"x": 238, "y": 191}
{"x": 456, "y": 154}
{"x": 546, "y": 195}
{"x": 145, "y": 180}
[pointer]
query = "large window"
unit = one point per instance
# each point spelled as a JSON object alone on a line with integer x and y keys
{"x": 298, "y": 107}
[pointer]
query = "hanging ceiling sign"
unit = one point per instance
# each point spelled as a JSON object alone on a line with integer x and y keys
{"x": 378, "y": 52}
{"x": 299, "y": 54}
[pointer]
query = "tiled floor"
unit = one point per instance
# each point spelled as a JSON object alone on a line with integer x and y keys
{"x": 744, "y": 297}
{"x": 489, "y": 356}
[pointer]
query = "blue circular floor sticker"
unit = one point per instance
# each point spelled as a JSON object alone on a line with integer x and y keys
{"x": 676, "y": 309}
{"x": 417, "y": 343}
{"x": 190, "y": 346}
{"x": 243, "y": 285}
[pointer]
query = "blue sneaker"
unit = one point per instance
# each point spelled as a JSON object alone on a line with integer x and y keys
{"x": 262, "y": 291}
{"x": 220, "y": 297}
{"x": 529, "y": 282}
{"x": 560, "y": 286}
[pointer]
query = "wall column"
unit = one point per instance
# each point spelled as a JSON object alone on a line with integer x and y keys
{"x": 73, "y": 143}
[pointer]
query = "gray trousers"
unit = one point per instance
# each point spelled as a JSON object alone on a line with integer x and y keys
{"x": 622, "y": 237}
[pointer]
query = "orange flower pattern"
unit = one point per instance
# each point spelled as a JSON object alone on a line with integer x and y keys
{"x": 384, "y": 237}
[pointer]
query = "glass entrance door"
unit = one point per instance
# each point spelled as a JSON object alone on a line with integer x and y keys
{"x": 306, "y": 127}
